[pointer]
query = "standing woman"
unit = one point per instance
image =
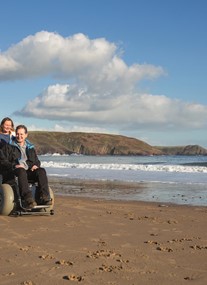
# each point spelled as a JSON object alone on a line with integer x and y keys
{"x": 6, "y": 131}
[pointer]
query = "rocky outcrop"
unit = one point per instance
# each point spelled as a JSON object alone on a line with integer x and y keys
{"x": 183, "y": 150}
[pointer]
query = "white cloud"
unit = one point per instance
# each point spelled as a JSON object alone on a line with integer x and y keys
{"x": 92, "y": 62}
{"x": 67, "y": 102}
{"x": 104, "y": 89}
{"x": 66, "y": 127}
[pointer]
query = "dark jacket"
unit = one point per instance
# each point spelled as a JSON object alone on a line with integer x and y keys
{"x": 5, "y": 138}
{"x": 10, "y": 155}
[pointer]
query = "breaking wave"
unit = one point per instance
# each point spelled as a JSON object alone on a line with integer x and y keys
{"x": 137, "y": 167}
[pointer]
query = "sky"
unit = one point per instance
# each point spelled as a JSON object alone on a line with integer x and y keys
{"x": 136, "y": 68}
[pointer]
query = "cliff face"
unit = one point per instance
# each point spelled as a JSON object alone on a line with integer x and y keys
{"x": 102, "y": 144}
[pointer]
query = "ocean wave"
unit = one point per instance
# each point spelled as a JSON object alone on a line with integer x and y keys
{"x": 133, "y": 167}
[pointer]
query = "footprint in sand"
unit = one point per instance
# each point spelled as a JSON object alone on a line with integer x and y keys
{"x": 73, "y": 277}
{"x": 168, "y": 249}
{"x": 64, "y": 262}
{"x": 46, "y": 256}
{"x": 103, "y": 253}
{"x": 198, "y": 247}
{"x": 193, "y": 277}
{"x": 109, "y": 268}
{"x": 27, "y": 283}
{"x": 9, "y": 274}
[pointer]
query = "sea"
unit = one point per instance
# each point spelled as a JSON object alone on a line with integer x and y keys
{"x": 164, "y": 179}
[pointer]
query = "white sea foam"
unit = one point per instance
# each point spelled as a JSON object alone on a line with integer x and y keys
{"x": 138, "y": 167}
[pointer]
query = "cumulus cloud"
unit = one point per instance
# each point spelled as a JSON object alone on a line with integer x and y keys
{"x": 95, "y": 63}
{"x": 68, "y": 102}
{"x": 104, "y": 86}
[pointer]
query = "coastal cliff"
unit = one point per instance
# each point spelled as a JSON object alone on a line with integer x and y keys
{"x": 103, "y": 144}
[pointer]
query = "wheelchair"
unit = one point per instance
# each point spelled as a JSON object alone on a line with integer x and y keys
{"x": 11, "y": 202}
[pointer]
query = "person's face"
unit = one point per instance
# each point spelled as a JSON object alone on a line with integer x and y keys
{"x": 21, "y": 135}
{"x": 7, "y": 127}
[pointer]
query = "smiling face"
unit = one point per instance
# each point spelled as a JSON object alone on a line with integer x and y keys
{"x": 7, "y": 127}
{"x": 21, "y": 135}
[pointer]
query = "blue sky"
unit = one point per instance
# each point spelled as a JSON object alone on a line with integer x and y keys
{"x": 136, "y": 68}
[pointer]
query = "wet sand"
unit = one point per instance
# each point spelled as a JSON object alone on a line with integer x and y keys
{"x": 95, "y": 241}
{"x": 176, "y": 193}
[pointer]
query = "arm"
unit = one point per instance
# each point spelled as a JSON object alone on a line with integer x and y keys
{"x": 32, "y": 161}
{"x": 6, "y": 160}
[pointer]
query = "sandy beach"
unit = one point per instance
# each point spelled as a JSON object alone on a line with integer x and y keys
{"x": 95, "y": 241}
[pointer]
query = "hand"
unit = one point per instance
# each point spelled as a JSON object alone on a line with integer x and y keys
{"x": 34, "y": 167}
{"x": 19, "y": 166}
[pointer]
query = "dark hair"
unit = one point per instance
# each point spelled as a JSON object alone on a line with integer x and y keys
{"x": 3, "y": 121}
{"x": 22, "y": 127}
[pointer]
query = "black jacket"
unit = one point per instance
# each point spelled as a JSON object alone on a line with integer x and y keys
{"x": 10, "y": 155}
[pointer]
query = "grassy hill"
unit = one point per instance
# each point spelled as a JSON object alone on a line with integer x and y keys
{"x": 183, "y": 150}
{"x": 89, "y": 144}
{"x": 103, "y": 144}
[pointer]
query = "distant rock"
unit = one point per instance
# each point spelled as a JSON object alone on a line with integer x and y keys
{"x": 183, "y": 150}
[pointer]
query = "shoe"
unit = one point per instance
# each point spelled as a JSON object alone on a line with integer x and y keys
{"x": 30, "y": 204}
{"x": 47, "y": 202}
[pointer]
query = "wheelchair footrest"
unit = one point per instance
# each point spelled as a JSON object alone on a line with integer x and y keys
{"x": 41, "y": 207}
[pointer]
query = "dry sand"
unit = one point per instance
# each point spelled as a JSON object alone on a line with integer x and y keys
{"x": 93, "y": 241}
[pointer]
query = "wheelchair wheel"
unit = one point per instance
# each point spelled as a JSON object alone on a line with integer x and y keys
{"x": 6, "y": 199}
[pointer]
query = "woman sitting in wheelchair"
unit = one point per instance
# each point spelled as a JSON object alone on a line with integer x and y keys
{"x": 18, "y": 159}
